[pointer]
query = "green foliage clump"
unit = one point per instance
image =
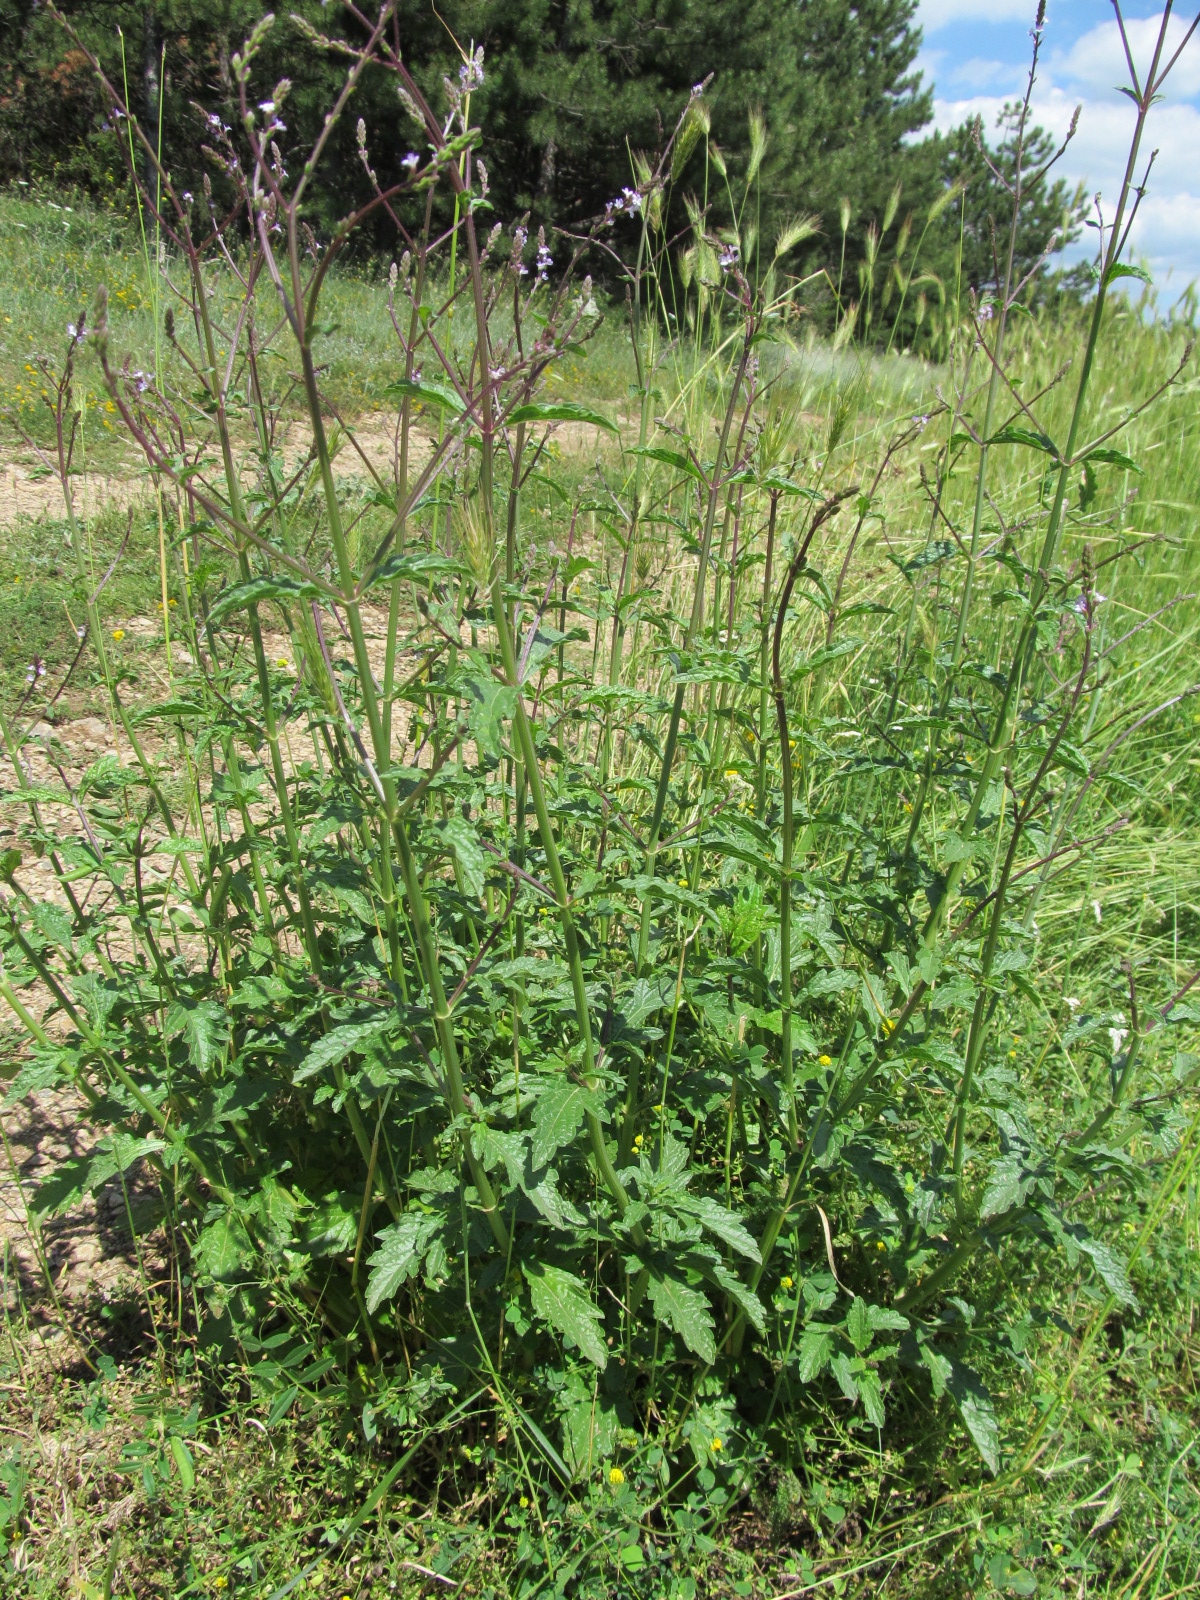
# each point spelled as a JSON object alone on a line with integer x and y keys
{"x": 602, "y": 949}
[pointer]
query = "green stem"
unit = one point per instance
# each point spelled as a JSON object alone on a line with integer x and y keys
{"x": 695, "y": 623}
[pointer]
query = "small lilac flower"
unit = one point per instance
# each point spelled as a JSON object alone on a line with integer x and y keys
{"x": 411, "y": 161}
{"x": 470, "y": 74}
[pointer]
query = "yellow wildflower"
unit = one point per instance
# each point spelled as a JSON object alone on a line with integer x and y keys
{"x": 888, "y": 1025}
{"x": 824, "y": 1061}
{"x": 524, "y": 1502}
{"x": 731, "y": 772}
{"x": 716, "y": 1447}
{"x": 638, "y": 1140}
{"x": 118, "y": 634}
{"x": 615, "y": 1476}
{"x": 785, "y": 1283}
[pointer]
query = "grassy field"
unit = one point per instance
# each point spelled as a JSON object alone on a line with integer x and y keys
{"x": 151, "y": 1458}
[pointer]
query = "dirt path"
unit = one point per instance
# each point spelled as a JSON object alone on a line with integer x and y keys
{"x": 28, "y": 491}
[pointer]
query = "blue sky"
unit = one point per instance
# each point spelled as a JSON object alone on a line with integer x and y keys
{"x": 976, "y": 54}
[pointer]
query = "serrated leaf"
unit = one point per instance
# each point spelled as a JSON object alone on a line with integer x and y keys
{"x": 336, "y": 1045}
{"x": 1034, "y": 438}
{"x": 258, "y": 590}
{"x": 643, "y": 998}
{"x": 332, "y": 1227}
{"x": 426, "y": 394}
{"x": 562, "y": 1300}
{"x": 540, "y": 643}
{"x": 685, "y": 1310}
{"x": 223, "y": 1249}
{"x": 974, "y": 1403}
{"x": 205, "y": 1027}
{"x": 63, "y": 1189}
{"x": 558, "y": 1117}
{"x": 1106, "y": 1262}
{"x": 458, "y": 837}
{"x": 1124, "y": 269}
{"x": 560, "y": 411}
{"x": 816, "y": 1343}
{"x": 858, "y": 1325}
{"x": 1114, "y": 458}
{"x": 871, "y": 1394}
{"x": 53, "y": 923}
{"x": 844, "y": 1373}
{"x": 966, "y": 1389}
{"x": 883, "y": 1318}
{"x": 115, "y": 1154}
{"x": 776, "y": 483}
{"x": 590, "y": 1423}
{"x": 821, "y": 658}
{"x": 717, "y": 666}
{"x": 741, "y": 1294}
{"x": 669, "y": 458}
{"x": 414, "y": 567}
{"x": 725, "y": 1224}
{"x": 552, "y": 1204}
{"x": 1007, "y": 1185}
{"x": 489, "y": 706}
{"x": 402, "y": 1248}
{"x": 935, "y": 552}
{"x": 673, "y": 894}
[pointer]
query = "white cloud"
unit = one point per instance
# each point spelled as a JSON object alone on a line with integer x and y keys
{"x": 935, "y": 14}
{"x": 1166, "y": 232}
{"x": 978, "y": 73}
{"x": 1097, "y": 60}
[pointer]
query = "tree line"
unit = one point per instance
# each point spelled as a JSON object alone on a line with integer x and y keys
{"x": 822, "y": 94}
